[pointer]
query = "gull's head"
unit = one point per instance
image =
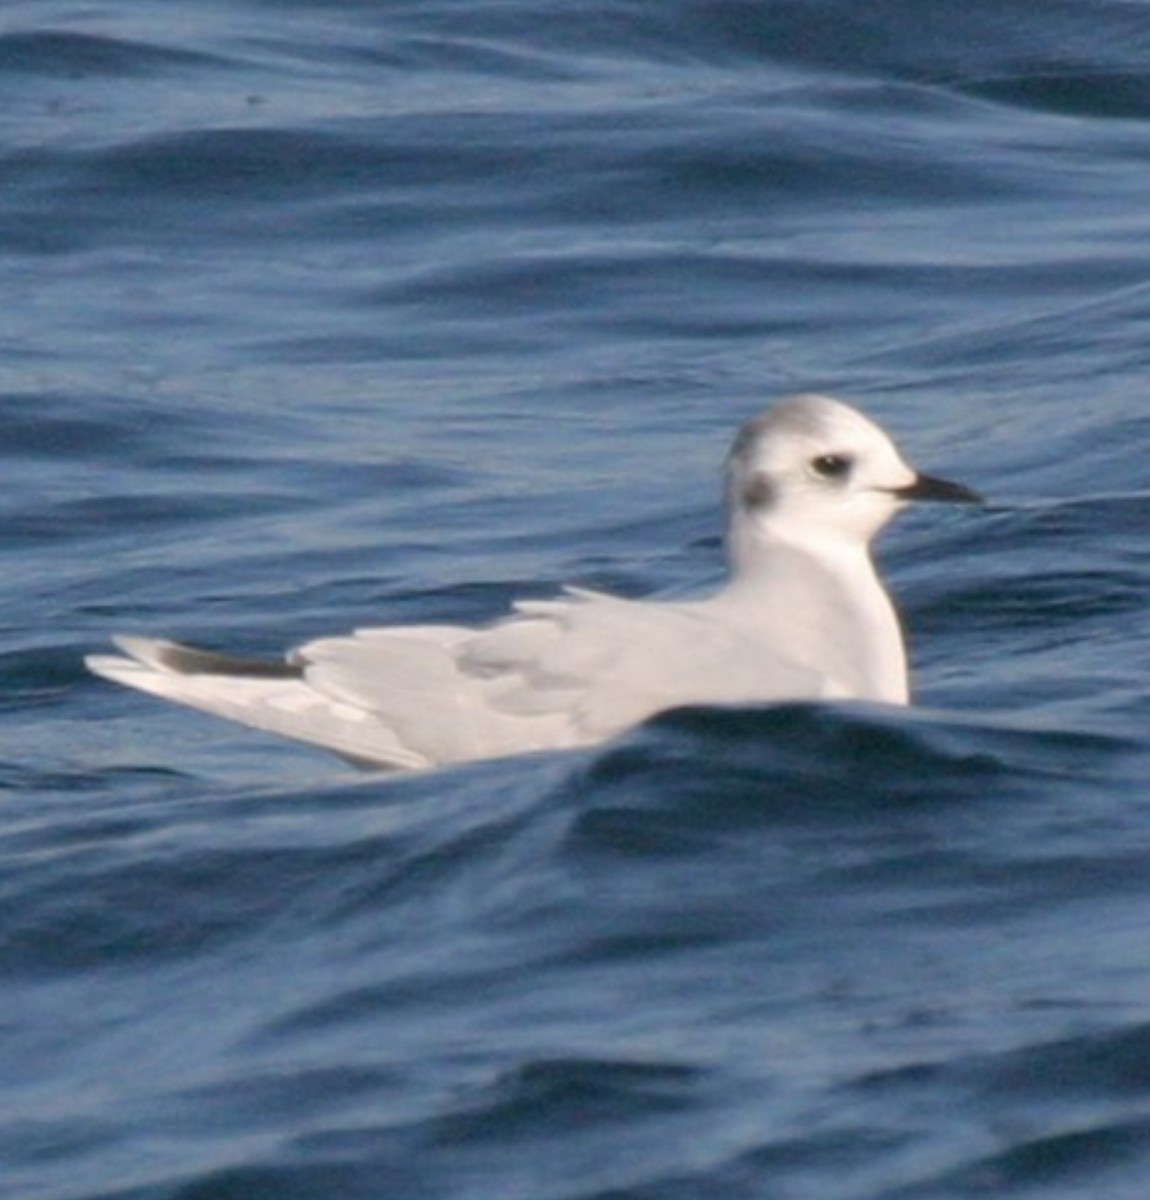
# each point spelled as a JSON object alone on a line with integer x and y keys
{"x": 816, "y": 470}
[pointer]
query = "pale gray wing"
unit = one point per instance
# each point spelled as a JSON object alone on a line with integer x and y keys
{"x": 417, "y": 682}
{"x": 559, "y": 673}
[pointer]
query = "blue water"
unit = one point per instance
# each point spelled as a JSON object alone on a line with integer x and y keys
{"x": 325, "y": 314}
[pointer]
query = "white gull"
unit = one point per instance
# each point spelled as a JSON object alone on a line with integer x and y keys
{"x": 803, "y": 615}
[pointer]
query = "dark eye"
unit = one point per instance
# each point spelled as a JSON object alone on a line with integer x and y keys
{"x": 832, "y": 466}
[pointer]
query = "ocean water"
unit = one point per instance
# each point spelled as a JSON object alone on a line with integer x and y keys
{"x": 321, "y": 314}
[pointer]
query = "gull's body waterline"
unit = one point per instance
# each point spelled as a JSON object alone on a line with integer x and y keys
{"x": 803, "y": 615}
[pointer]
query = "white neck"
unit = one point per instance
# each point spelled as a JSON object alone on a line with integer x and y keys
{"x": 845, "y": 626}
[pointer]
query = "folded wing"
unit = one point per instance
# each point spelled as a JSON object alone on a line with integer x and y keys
{"x": 556, "y": 674}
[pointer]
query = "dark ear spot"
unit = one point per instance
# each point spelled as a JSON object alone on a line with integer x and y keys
{"x": 758, "y": 493}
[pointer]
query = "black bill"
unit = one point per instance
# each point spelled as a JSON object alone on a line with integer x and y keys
{"x": 927, "y": 487}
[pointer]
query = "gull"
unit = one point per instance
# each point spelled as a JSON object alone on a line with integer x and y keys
{"x": 802, "y": 615}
